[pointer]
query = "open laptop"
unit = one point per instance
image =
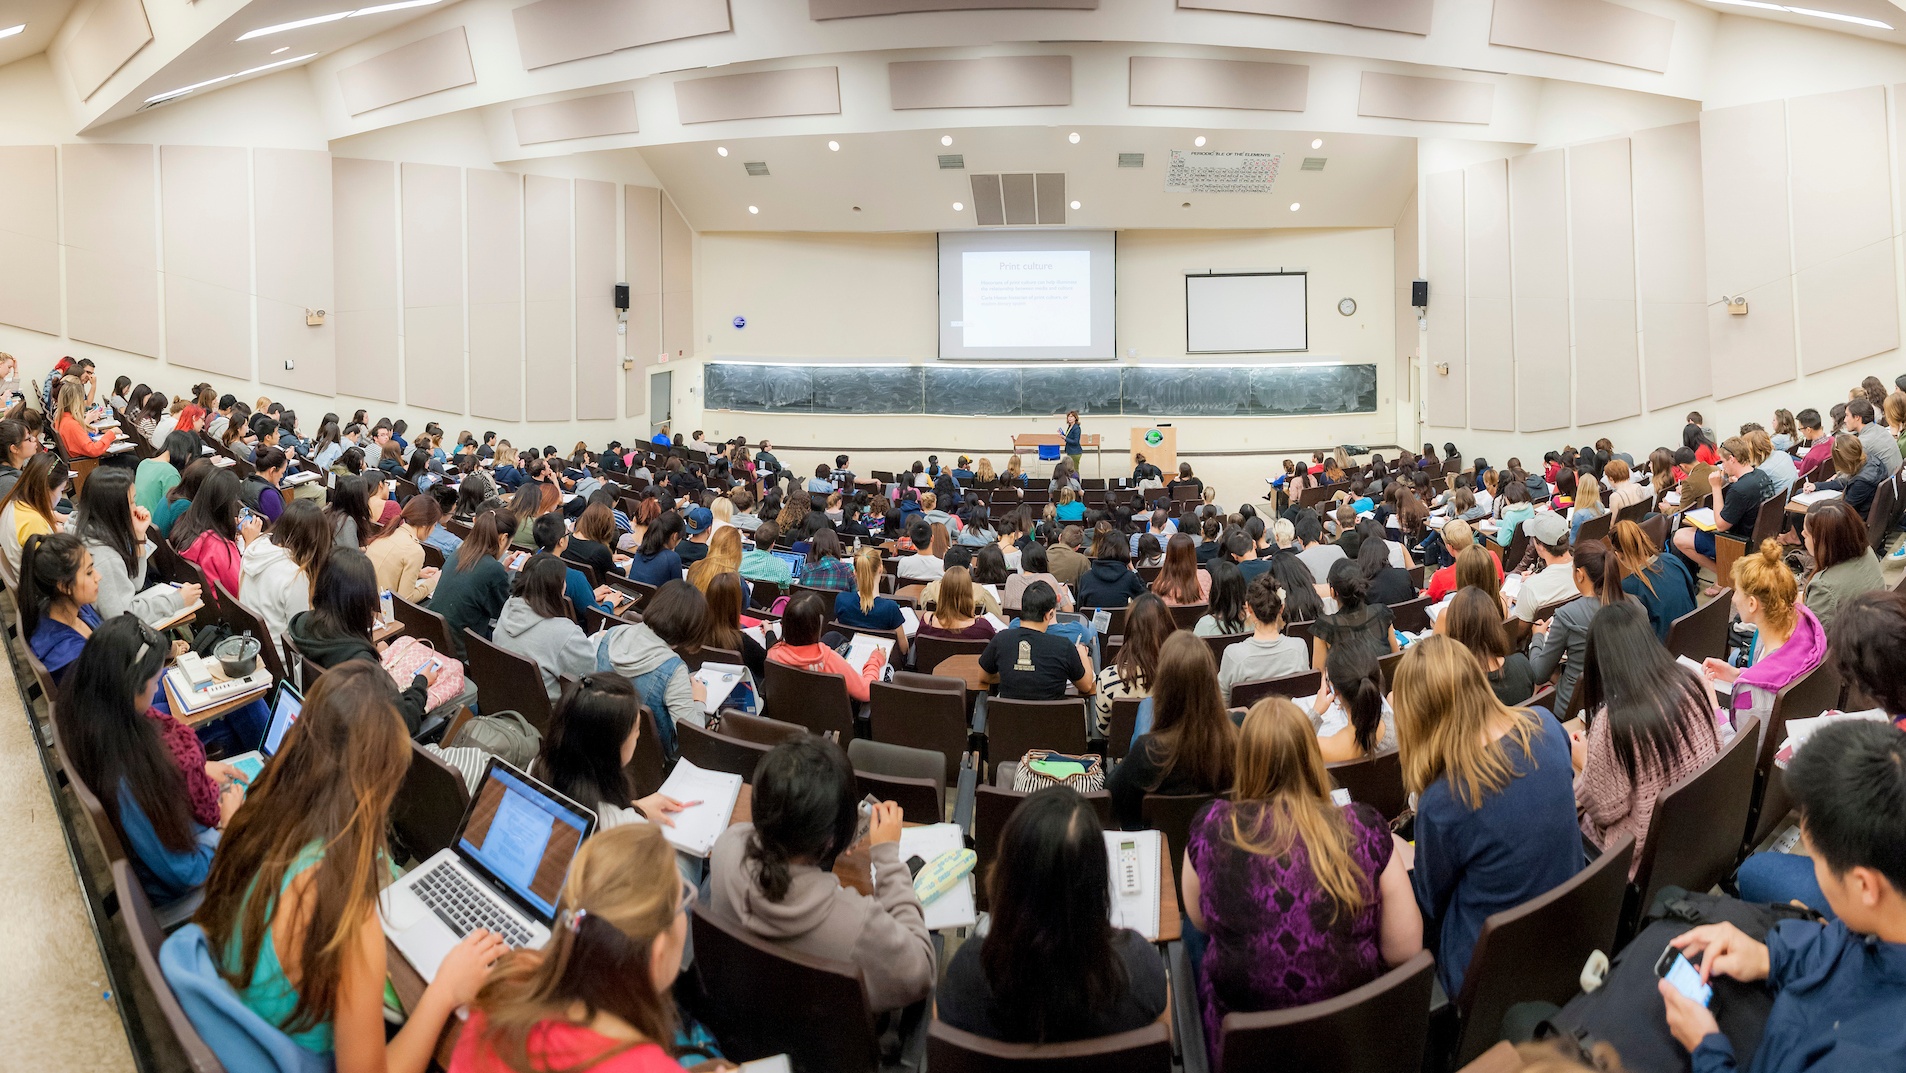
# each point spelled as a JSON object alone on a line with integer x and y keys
{"x": 284, "y": 712}
{"x": 796, "y": 562}
{"x": 504, "y": 871}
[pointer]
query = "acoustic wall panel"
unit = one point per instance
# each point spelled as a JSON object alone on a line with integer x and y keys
{"x": 1671, "y": 259}
{"x": 110, "y": 197}
{"x": 30, "y": 238}
{"x": 1179, "y": 82}
{"x": 1589, "y": 29}
{"x": 113, "y": 32}
{"x": 430, "y": 65}
{"x": 1842, "y": 195}
{"x": 596, "y": 350}
{"x": 292, "y": 256}
{"x": 364, "y": 245}
{"x": 1492, "y": 399}
{"x": 1602, "y": 261}
{"x": 642, "y": 250}
{"x": 578, "y": 117}
{"x": 678, "y": 282}
{"x": 1749, "y": 245}
{"x": 494, "y": 227}
{"x": 1435, "y": 100}
{"x": 1446, "y": 380}
{"x": 1538, "y": 240}
{"x": 848, "y": 9}
{"x": 432, "y": 216}
{"x": 554, "y": 31}
{"x": 759, "y": 95}
{"x": 987, "y": 82}
{"x": 1403, "y": 16}
{"x": 551, "y": 310}
{"x": 206, "y": 209}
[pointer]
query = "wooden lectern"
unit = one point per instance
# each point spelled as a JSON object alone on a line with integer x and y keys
{"x": 1028, "y": 443}
{"x": 1159, "y": 445}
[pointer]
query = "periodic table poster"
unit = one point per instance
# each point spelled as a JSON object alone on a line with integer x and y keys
{"x": 1193, "y": 172}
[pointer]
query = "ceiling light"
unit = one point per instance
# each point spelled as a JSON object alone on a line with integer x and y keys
{"x": 721, "y": 150}
{"x": 11, "y": 30}
{"x": 1075, "y": 205}
{"x": 1813, "y": 12}
{"x": 754, "y": 210}
{"x": 833, "y": 146}
{"x": 946, "y": 139}
{"x": 1316, "y": 143}
{"x": 1295, "y": 206}
{"x": 1073, "y": 137}
{"x": 399, "y": 6}
{"x": 281, "y": 48}
{"x": 959, "y": 206}
{"x": 1198, "y": 141}
{"x": 317, "y": 20}
{"x": 181, "y": 91}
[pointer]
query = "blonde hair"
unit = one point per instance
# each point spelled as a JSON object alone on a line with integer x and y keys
{"x": 1282, "y": 797}
{"x": 1760, "y": 446}
{"x": 867, "y": 578}
{"x": 1458, "y": 535}
{"x": 1764, "y": 576}
{"x": 724, "y": 557}
{"x": 72, "y": 399}
{"x": 955, "y": 595}
{"x": 1588, "y": 492}
{"x": 928, "y": 501}
{"x": 985, "y": 471}
{"x": 723, "y": 509}
{"x": 1445, "y": 712}
{"x": 1012, "y": 465}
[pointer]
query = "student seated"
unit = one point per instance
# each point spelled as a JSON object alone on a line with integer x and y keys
{"x": 1180, "y": 582}
{"x": 534, "y": 624}
{"x": 1839, "y": 988}
{"x": 474, "y": 585}
{"x": 339, "y": 625}
{"x": 1788, "y": 640}
{"x": 1660, "y": 581}
{"x": 1474, "y": 620}
{"x": 1278, "y": 867}
{"x": 166, "y": 801}
{"x": 726, "y": 602}
{"x": 1356, "y": 620}
{"x": 1388, "y": 584}
{"x": 1147, "y": 623}
{"x": 552, "y": 538}
{"x": 587, "y": 751}
{"x": 1844, "y": 564}
{"x": 397, "y": 550}
{"x": 1351, "y": 716}
{"x": 655, "y": 562}
{"x": 1563, "y": 639}
{"x": 1110, "y": 582}
{"x": 114, "y": 532}
{"x": 1495, "y": 812}
{"x": 1736, "y": 507}
{"x": 1052, "y": 967}
{"x": 862, "y": 607}
{"x": 1867, "y": 653}
{"x": 956, "y": 614}
{"x": 757, "y": 564}
{"x": 1650, "y": 725}
{"x": 1268, "y": 652}
{"x": 76, "y": 434}
{"x": 1550, "y": 540}
{"x": 209, "y": 532}
{"x": 773, "y": 876}
{"x": 58, "y": 584}
{"x": 1457, "y": 536}
{"x": 1185, "y": 746}
{"x": 802, "y": 646}
{"x": 1029, "y": 663}
{"x": 30, "y": 511}
{"x": 278, "y": 572}
{"x": 312, "y": 845}
{"x": 646, "y": 653}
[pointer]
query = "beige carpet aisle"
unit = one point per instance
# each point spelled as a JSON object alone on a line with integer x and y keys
{"x": 51, "y": 978}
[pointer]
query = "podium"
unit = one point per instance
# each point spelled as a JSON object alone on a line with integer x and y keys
{"x": 1159, "y": 445}
{"x": 1028, "y": 443}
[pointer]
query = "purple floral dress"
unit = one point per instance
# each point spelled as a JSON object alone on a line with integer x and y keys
{"x": 1273, "y": 941}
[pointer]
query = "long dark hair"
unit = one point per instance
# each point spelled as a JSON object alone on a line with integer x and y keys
{"x": 486, "y": 533}
{"x": 722, "y": 626}
{"x": 1372, "y": 556}
{"x": 540, "y": 585}
{"x": 1190, "y": 729}
{"x": 344, "y": 600}
{"x": 181, "y": 449}
{"x": 214, "y": 509}
{"x": 1049, "y": 954}
{"x": 350, "y": 499}
{"x": 804, "y": 806}
{"x": 1301, "y": 602}
{"x": 1227, "y": 596}
{"x": 1147, "y": 623}
{"x": 109, "y": 741}
{"x": 824, "y": 544}
{"x": 1603, "y": 567}
{"x": 655, "y": 538}
{"x": 104, "y": 514}
{"x": 1349, "y": 583}
{"x": 1648, "y": 695}
{"x": 582, "y": 753}
{"x": 1354, "y": 675}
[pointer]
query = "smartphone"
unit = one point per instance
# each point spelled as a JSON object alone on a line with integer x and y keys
{"x": 244, "y": 517}
{"x": 866, "y": 821}
{"x": 1675, "y": 968}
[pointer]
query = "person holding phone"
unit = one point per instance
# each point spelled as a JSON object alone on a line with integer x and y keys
{"x": 1073, "y": 432}
{"x": 1839, "y": 987}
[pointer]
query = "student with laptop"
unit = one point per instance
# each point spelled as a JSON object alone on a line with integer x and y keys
{"x": 337, "y": 629}
{"x": 312, "y": 845}
{"x": 166, "y": 801}
{"x": 764, "y": 563}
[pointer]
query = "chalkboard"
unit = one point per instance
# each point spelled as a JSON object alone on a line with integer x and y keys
{"x": 1139, "y": 391}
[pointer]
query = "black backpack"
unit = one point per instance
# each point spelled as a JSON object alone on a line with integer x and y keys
{"x": 251, "y": 492}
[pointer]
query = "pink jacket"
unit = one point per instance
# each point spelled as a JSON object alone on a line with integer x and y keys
{"x": 216, "y": 556}
{"x": 822, "y": 659}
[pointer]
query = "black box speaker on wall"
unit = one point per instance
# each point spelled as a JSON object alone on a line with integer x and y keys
{"x": 622, "y": 296}
{"x": 1419, "y": 293}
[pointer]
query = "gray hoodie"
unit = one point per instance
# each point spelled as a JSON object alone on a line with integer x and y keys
{"x": 121, "y": 590}
{"x": 557, "y": 645}
{"x": 884, "y": 936}
{"x": 636, "y": 650}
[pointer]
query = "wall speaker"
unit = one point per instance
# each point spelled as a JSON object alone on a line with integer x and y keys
{"x": 1419, "y": 293}
{"x": 622, "y": 296}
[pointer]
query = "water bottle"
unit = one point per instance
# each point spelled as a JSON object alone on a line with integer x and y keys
{"x": 384, "y": 606}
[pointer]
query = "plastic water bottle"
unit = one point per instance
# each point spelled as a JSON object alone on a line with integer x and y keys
{"x": 384, "y": 606}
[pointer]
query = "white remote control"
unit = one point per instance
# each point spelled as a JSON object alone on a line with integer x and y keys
{"x": 1128, "y": 868}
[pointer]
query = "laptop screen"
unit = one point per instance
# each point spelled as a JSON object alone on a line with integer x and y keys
{"x": 283, "y": 714}
{"x": 523, "y": 835}
{"x": 796, "y": 562}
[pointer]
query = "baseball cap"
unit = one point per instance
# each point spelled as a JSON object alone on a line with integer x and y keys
{"x": 1547, "y": 527}
{"x": 698, "y": 520}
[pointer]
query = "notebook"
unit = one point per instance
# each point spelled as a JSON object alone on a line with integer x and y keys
{"x": 862, "y": 648}
{"x": 956, "y": 908}
{"x": 698, "y": 825}
{"x": 718, "y": 680}
{"x": 1701, "y": 518}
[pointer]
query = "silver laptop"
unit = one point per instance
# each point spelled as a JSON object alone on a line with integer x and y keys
{"x": 504, "y": 871}
{"x": 284, "y": 712}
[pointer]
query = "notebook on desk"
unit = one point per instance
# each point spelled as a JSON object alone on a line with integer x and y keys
{"x": 699, "y": 825}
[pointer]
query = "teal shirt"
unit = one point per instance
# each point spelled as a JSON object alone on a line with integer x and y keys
{"x": 1511, "y": 518}
{"x": 151, "y": 482}
{"x": 758, "y": 565}
{"x": 269, "y": 994}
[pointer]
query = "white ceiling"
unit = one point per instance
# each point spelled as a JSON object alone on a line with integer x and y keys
{"x": 1890, "y": 12}
{"x": 42, "y": 18}
{"x": 896, "y": 179}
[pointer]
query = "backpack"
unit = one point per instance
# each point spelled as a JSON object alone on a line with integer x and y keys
{"x": 1089, "y": 777}
{"x": 251, "y": 492}
{"x": 503, "y": 734}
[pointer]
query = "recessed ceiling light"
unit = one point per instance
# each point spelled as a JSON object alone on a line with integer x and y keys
{"x": 1815, "y": 13}
{"x": 400, "y": 5}
{"x": 946, "y": 139}
{"x": 281, "y": 48}
{"x": 1316, "y": 143}
{"x": 183, "y": 90}
{"x": 1073, "y": 137}
{"x": 1075, "y": 205}
{"x": 833, "y": 146}
{"x": 959, "y": 206}
{"x": 721, "y": 150}
{"x": 11, "y": 30}
{"x": 754, "y": 210}
{"x": 1198, "y": 141}
{"x": 317, "y": 20}
{"x": 1295, "y": 206}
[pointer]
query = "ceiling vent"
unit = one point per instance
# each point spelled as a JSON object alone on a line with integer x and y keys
{"x": 756, "y": 168}
{"x": 952, "y": 161}
{"x": 1314, "y": 163}
{"x": 1019, "y": 199}
{"x": 1131, "y": 160}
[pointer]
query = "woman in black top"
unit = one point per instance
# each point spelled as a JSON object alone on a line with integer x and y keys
{"x": 1109, "y": 583}
{"x": 1357, "y": 620}
{"x": 1145, "y": 471}
{"x": 1388, "y": 584}
{"x": 1474, "y": 620}
{"x": 1301, "y": 602}
{"x": 1185, "y": 478}
{"x": 591, "y": 541}
{"x": 1189, "y": 747}
{"x": 1052, "y": 968}
{"x": 338, "y": 627}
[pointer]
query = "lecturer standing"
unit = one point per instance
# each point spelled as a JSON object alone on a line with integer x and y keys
{"x": 1072, "y": 432}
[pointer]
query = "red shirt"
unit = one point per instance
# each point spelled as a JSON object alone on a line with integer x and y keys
{"x": 1704, "y": 453}
{"x": 560, "y": 1045}
{"x": 1443, "y": 582}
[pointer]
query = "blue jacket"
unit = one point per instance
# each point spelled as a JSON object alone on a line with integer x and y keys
{"x": 166, "y": 874}
{"x": 57, "y": 645}
{"x": 240, "y": 1038}
{"x": 1839, "y": 1004}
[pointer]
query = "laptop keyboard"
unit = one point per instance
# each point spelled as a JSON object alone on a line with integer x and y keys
{"x": 464, "y": 908}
